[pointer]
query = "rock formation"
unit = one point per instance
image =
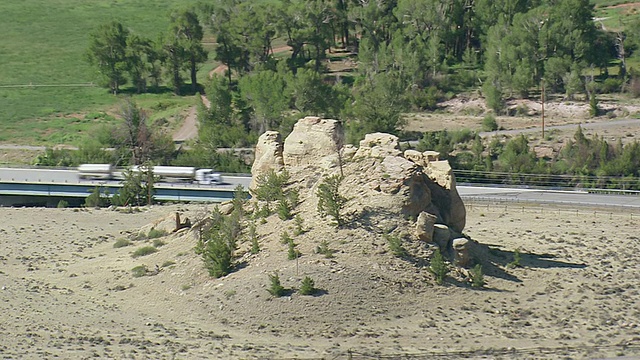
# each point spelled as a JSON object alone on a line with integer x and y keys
{"x": 384, "y": 184}
{"x": 268, "y": 155}
{"x": 312, "y": 139}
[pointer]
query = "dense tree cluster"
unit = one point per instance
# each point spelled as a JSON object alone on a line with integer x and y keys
{"x": 120, "y": 55}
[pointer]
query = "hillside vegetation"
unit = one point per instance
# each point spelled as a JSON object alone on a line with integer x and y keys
{"x": 365, "y": 63}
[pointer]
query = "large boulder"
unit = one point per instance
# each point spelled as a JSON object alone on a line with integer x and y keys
{"x": 311, "y": 140}
{"x": 462, "y": 251}
{"x": 445, "y": 195}
{"x": 378, "y": 145}
{"x": 268, "y": 155}
{"x": 424, "y": 226}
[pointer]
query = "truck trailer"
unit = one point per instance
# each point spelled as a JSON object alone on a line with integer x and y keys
{"x": 166, "y": 173}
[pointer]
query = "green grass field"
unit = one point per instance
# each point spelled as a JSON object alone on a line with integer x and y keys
{"x": 614, "y": 14}
{"x": 43, "y": 43}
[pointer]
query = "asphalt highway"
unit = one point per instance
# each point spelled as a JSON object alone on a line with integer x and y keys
{"x": 71, "y": 177}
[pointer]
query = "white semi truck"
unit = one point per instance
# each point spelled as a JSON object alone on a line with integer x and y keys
{"x": 167, "y": 173}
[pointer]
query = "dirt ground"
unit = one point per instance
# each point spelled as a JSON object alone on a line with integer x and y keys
{"x": 66, "y": 292}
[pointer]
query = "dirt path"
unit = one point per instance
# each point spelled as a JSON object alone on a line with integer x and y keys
{"x": 189, "y": 128}
{"x": 634, "y": 4}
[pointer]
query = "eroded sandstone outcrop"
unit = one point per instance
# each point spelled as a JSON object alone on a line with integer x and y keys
{"x": 383, "y": 183}
{"x": 268, "y": 155}
{"x": 311, "y": 140}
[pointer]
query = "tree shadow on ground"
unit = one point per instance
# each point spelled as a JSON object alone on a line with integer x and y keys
{"x": 499, "y": 260}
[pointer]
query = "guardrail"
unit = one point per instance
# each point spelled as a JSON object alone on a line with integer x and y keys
{"x": 80, "y": 190}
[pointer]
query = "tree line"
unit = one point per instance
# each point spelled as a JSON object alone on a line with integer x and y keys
{"x": 410, "y": 56}
{"x": 588, "y": 162}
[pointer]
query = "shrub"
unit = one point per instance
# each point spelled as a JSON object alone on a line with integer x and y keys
{"x": 255, "y": 247}
{"x": 121, "y": 243}
{"x": 489, "y": 123}
{"x": 62, "y": 204}
{"x": 634, "y": 86}
{"x": 293, "y": 253}
{"x": 324, "y": 249}
{"x": 299, "y": 230}
{"x": 330, "y": 202}
{"x": 477, "y": 277}
{"x": 143, "y": 251}
{"x": 438, "y": 267}
{"x": 158, "y": 243}
{"x": 611, "y": 85}
{"x": 269, "y": 186}
{"x": 140, "y": 271}
{"x": 284, "y": 210}
{"x": 395, "y": 244}
{"x": 96, "y": 199}
{"x": 155, "y": 233}
{"x": 521, "y": 110}
{"x": 517, "y": 257}
{"x": 461, "y": 136}
{"x": 307, "y": 286}
{"x": 276, "y": 289}
{"x": 168, "y": 263}
{"x": 217, "y": 254}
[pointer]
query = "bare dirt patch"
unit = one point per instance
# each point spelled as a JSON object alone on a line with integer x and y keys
{"x": 66, "y": 291}
{"x": 468, "y": 113}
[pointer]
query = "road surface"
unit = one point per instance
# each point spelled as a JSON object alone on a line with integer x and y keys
{"x": 581, "y": 198}
{"x": 71, "y": 177}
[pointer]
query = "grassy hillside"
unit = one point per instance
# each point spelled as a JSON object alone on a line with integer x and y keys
{"x": 43, "y": 43}
{"x": 614, "y": 14}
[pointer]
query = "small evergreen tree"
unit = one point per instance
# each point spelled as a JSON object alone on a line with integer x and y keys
{"x": 308, "y": 286}
{"x": 96, "y": 199}
{"x": 276, "y": 289}
{"x": 255, "y": 247}
{"x": 285, "y": 238}
{"x": 284, "y": 209}
{"x": 395, "y": 244}
{"x": 218, "y": 255}
{"x": 438, "y": 267}
{"x": 477, "y": 277}
{"x": 240, "y": 196}
{"x": 517, "y": 257}
{"x": 299, "y": 229}
{"x": 269, "y": 186}
{"x": 324, "y": 249}
{"x": 330, "y": 202}
{"x": 292, "y": 253}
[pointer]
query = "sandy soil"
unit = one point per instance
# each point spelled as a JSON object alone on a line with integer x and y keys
{"x": 65, "y": 291}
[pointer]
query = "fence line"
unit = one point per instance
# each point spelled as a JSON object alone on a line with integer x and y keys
{"x": 515, "y": 205}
